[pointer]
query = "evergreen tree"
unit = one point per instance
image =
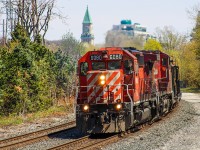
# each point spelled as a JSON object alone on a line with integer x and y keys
{"x": 26, "y": 78}
{"x": 32, "y": 78}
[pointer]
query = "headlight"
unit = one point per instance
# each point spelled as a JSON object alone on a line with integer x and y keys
{"x": 85, "y": 107}
{"x": 118, "y": 106}
{"x": 102, "y": 82}
{"x": 102, "y": 77}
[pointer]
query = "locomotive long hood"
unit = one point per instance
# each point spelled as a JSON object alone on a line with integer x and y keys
{"x": 104, "y": 86}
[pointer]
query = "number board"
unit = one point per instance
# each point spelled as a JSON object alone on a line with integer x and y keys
{"x": 95, "y": 57}
{"x": 115, "y": 56}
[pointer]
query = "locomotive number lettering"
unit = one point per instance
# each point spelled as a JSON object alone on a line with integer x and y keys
{"x": 95, "y": 57}
{"x": 115, "y": 56}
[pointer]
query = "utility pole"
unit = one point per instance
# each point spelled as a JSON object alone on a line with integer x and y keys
{"x": 4, "y": 38}
{"x": 9, "y": 15}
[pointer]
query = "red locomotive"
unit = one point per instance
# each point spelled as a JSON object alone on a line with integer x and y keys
{"x": 120, "y": 88}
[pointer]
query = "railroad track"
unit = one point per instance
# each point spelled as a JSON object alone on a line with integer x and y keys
{"x": 29, "y": 138}
{"x": 88, "y": 143}
{"x": 85, "y": 142}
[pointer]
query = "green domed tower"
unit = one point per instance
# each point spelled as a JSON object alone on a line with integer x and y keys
{"x": 87, "y": 34}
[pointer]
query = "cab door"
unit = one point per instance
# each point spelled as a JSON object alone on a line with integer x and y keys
{"x": 128, "y": 68}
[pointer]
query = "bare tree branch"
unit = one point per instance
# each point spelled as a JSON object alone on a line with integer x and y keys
{"x": 35, "y": 15}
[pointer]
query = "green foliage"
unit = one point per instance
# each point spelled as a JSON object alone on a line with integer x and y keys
{"x": 38, "y": 39}
{"x": 196, "y": 49}
{"x": 32, "y": 78}
{"x": 185, "y": 53}
{"x": 19, "y": 35}
{"x": 190, "y": 65}
{"x": 185, "y": 58}
{"x": 152, "y": 44}
{"x": 25, "y": 75}
{"x": 190, "y": 90}
{"x": 65, "y": 68}
{"x": 196, "y": 36}
{"x": 11, "y": 120}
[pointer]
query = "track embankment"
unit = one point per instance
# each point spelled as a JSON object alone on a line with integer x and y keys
{"x": 32, "y": 137}
{"x": 179, "y": 132}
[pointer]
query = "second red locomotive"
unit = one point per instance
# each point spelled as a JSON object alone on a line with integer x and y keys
{"x": 120, "y": 88}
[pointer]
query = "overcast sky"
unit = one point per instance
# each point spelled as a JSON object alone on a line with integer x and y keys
{"x": 105, "y": 13}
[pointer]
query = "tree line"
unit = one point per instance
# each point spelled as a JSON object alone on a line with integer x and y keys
{"x": 34, "y": 78}
{"x": 184, "y": 49}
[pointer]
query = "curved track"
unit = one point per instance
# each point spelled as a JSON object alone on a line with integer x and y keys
{"x": 32, "y": 137}
{"x": 88, "y": 143}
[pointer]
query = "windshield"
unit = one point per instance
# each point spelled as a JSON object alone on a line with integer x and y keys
{"x": 98, "y": 65}
{"x": 112, "y": 65}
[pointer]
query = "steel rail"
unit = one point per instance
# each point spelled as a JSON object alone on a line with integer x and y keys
{"x": 100, "y": 142}
{"x": 85, "y": 143}
{"x": 71, "y": 145}
{"x": 25, "y": 139}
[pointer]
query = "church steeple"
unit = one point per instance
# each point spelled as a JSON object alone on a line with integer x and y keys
{"x": 87, "y": 18}
{"x": 87, "y": 34}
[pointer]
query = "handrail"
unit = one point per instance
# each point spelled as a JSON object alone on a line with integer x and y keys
{"x": 127, "y": 90}
{"x": 94, "y": 86}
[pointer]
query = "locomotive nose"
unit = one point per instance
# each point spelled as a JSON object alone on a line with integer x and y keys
{"x": 103, "y": 86}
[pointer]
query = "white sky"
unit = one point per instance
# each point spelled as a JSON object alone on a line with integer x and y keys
{"x": 105, "y": 13}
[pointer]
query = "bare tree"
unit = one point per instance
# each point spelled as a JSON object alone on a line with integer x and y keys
{"x": 193, "y": 11}
{"x": 35, "y": 15}
{"x": 169, "y": 38}
{"x": 117, "y": 38}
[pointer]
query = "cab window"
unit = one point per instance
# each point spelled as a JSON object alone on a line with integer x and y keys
{"x": 84, "y": 68}
{"x": 98, "y": 65}
{"x": 164, "y": 61}
{"x": 128, "y": 66}
{"x": 112, "y": 65}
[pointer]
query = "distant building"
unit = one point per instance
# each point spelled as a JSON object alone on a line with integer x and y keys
{"x": 87, "y": 33}
{"x": 130, "y": 29}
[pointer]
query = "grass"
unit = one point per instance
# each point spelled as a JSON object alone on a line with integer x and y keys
{"x": 190, "y": 90}
{"x": 11, "y": 120}
{"x": 51, "y": 112}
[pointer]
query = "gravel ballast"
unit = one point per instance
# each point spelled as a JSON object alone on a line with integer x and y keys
{"x": 43, "y": 123}
{"x": 54, "y": 140}
{"x": 180, "y": 132}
